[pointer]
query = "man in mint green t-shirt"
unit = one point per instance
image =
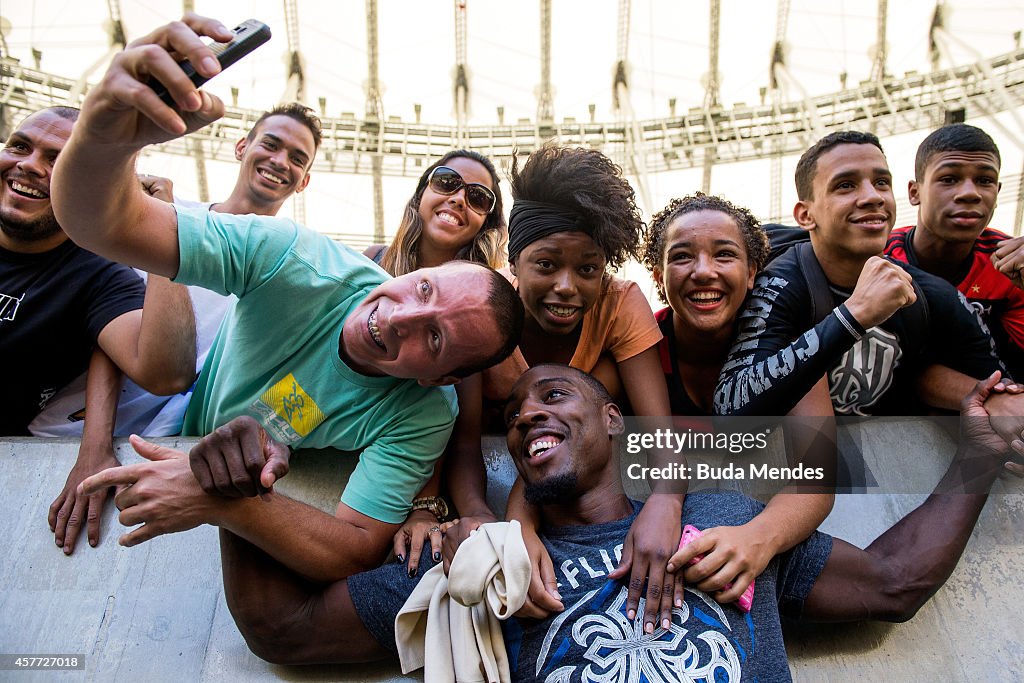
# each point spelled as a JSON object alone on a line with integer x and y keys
{"x": 322, "y": 349}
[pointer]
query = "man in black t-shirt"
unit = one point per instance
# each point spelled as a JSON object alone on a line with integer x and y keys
{"x": 59, "y": 302}
{"x": 897, "y": 339}
{"x": 561, "y": 426}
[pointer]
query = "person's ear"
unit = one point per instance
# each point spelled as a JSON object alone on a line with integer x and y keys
{"x": 613, "y": 419}
{"x": 447, "y": 380}
{"x": 512, "y": 267}
{"x": 914, "y": 192}
{"x": 302, "y": 184}
{"x": 240, "y": 147}
{"x": 802, "y": 214}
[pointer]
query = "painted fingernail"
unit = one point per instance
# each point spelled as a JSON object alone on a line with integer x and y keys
{"x": 412, "y": 572}
{"x": 631, "y": 614}
{"x": 665, "y": 623}
{"x": 400, "y": 559}
{"x": 679, "y": 603}
{"x": 437, "y": 557}
{"x": 648, "y": 628}
{"x": 92, "y": 542}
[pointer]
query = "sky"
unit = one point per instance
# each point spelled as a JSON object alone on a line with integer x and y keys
{"x": 667, "y": 50}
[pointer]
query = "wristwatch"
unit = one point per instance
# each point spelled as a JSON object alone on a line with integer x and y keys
{"x": 433, "y": 504}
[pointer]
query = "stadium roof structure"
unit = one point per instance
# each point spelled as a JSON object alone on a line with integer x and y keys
{"x": 951, "y": 80}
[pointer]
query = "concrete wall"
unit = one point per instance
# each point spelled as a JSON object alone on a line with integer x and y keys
{"x": 157, "y": 612}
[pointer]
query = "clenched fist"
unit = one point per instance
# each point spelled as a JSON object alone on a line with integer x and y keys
{"x": 882, "y": 289}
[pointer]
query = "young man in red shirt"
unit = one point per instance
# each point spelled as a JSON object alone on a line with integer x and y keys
{"x": 955, "y": 188}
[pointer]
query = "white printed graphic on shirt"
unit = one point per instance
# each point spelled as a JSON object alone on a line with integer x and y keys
{"x": 617, "y": 649}
{"x": 864, "y": 373}
{"x": 9, "y": 306}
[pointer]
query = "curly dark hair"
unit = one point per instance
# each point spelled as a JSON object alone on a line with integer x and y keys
{"x": 754, "y": 236}
{"x": 590, "y": 184}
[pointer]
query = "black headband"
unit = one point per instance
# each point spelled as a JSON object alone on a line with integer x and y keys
{"x": 529, "y": 221}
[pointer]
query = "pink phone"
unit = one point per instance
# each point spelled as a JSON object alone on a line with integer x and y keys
{"x": 690, "y": 533}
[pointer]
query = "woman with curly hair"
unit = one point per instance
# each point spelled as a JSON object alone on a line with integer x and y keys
{"x": 455, "y": 213}
{"x": 573, "y": 222}
{"x": 703, "y": 252}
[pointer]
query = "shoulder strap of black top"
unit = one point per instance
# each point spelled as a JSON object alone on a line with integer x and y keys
{"x": 822, "y": 302}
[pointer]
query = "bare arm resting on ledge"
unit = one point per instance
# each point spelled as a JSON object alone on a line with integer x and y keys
{"x": 70, "y": 511}
{"x": 165, "y": 497}
{"x": 900, "y": 570}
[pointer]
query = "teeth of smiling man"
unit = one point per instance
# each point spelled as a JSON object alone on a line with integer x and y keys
{"x": 706, "y": 297}
{"x": 371, "y": 323}
{"x": 542, "y": 444}
{"x": 271, "y": 177}
{"x": 18, "y": 187}
{"x": 561, "y": 311}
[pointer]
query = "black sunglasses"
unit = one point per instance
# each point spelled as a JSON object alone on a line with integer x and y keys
{"x": 447, "y": 181}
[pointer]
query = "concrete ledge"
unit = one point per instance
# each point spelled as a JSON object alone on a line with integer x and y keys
{"x": 157, "y": 612}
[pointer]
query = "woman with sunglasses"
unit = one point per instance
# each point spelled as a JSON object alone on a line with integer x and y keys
{"x": 455, "y": 213}
{"x": 703, "y": 253}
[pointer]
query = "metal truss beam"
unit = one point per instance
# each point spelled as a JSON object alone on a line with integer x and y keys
{"x": 545, "y": 98}
{"x": 741, "y": 133}
{"x": 712, "y": 85}
{"x": 879, "y": 65}
{"x": 374, "y": 119}
{"x": 460, "y": 80}
{"x": 295, "y": 88}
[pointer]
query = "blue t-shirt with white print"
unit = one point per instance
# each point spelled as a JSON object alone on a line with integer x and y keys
{"x": 592, "y": 640}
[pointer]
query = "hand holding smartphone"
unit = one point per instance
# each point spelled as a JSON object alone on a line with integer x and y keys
{"x": 249, "y": 35}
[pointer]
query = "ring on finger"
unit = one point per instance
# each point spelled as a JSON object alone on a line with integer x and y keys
{"x": 435, "y": 529}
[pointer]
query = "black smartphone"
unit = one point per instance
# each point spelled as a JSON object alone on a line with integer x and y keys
{"x": 249, "y": 35}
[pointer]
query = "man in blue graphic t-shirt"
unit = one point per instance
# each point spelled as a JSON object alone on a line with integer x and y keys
{"x": 561, "y": 423}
